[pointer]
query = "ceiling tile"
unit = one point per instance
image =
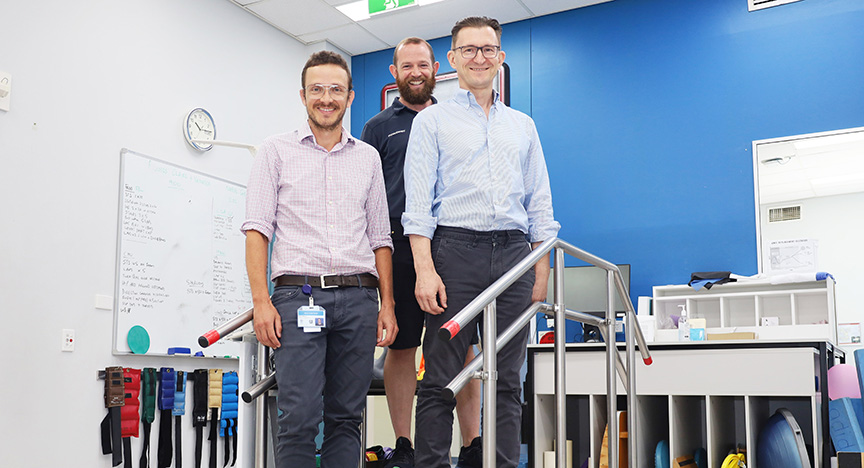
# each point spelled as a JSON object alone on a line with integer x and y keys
{"x": 351, "y": 38}
{"x": 546, "y": 7}
{"x": 317, "y": 20}
{"x": 436, "y": 20}
{"x": 299, "y": 17}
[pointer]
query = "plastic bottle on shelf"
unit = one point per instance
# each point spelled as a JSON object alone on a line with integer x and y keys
{"x": 683, "y": 325}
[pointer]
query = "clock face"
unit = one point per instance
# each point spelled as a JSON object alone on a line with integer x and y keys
{"x": 199, "y": 126}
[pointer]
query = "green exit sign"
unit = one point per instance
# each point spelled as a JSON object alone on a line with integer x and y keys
{"x": 377, "y": 6}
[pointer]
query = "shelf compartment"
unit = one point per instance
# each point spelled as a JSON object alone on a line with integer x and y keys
{"x": 653, "y": 426}
{"x": 761, "y": 408}
{"x": 579, "y": 427}
{"x": 741, "y": 311}
{"x": 811, "y": 308}
{"x": 727, "y": 426}
{"x": 777, "y": 306}
{"x": 598, "y": 426}
{"x": 688, "y": 425}
{"x": 709, "y": 309}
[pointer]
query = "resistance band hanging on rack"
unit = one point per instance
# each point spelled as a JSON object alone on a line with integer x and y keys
{"x": 199, "y": 410}
{"x": 148, "y": 411}
{"x": 179, "y": 410}
{"x": 228, "y": 422}
{"x": 214, "y": 402}
{"x": 114, "y": 400}
{"x": 130, "y": 420}
{"x": 167, "y": 384}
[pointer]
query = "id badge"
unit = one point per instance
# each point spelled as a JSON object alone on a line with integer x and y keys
{"x": 311, "y": 318}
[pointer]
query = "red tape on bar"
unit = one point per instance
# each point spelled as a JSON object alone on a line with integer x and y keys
{"x": 209, "y": 338}
{"x": 451, "y": 327}
{"x": 648, "y": 361}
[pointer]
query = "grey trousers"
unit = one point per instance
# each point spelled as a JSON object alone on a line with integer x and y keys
{"x": 468, "y": 262}
{"x": 335, "y": 363}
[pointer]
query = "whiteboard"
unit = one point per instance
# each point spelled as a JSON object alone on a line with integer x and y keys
{"x": 180, "y": 255}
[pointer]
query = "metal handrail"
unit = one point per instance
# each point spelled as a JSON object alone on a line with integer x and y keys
{"x": 221, "y": 331}
{"x": 486, "y": 301}
{"x": 487, "y": 361}
{"x": 470, "y": 371}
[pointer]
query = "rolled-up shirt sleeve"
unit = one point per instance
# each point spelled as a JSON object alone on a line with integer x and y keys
{"x": 377, "y": 212}
{"x": 421, "y": 165}
{"x": 538, "y": 196}
{"x": 262, "y": 191}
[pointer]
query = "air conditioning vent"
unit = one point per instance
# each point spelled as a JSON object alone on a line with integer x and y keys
{"x": 787, "y": 213}
{"x": 754, "y": 5}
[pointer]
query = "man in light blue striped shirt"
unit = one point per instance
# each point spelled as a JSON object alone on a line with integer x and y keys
{"x": 477, "y": 201}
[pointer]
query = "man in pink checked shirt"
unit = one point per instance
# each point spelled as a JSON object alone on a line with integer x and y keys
{"x": 318, "y": 193}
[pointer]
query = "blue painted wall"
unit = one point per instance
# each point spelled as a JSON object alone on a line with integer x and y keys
{"x": 647, "y": 110}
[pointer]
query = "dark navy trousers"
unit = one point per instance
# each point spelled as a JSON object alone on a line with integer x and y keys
{"x": 324, "y": 375}
{"x": 468, "y": 262}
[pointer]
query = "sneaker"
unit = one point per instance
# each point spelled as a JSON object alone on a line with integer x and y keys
{"x": 472, "y": 455}
{"x": 403, "y": 455}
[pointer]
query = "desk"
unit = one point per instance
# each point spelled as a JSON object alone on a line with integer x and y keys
{"x": 712, "y": 395}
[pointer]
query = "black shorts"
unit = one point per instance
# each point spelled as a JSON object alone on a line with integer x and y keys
{"x": 409, "y": 316}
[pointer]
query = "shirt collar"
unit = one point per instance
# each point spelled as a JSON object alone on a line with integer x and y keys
{"x": 305, "y": 132}
{"x": 399, "y": 107}
{"x": 467, "y": 99}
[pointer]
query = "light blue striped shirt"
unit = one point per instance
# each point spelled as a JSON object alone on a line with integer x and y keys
{"x": 464, "y": 170}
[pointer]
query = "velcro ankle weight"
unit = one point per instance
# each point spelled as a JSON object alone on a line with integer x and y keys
{"x": 129, "y": 421}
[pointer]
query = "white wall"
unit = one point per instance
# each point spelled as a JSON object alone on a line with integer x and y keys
{"x": 837, "y": 224}
{"x": 89, "y": 78}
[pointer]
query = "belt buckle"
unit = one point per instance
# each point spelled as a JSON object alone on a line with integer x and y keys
{"x": 323, "y": 286}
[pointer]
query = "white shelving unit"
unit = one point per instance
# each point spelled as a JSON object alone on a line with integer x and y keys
{"x": 803, "y": 310}
{"x": 712, "y": 395}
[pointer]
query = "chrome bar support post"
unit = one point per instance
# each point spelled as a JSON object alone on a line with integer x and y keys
{"x": 560, "y": 368}
{"x": 490, "y": 384}
{"x": 474, "y": 369}
{"x": 611, "y": 377}
{"x": 630, "y": 385}
{"x": 261, "y": 410}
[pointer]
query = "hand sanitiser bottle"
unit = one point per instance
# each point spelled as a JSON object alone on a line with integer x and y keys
{"x": 683, "y": 325}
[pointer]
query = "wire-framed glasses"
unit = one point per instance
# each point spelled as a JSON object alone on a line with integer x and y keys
{"x": 318, "y": 90}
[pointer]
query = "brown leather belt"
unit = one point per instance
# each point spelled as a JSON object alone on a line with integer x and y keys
{"x": 367, "y": 280}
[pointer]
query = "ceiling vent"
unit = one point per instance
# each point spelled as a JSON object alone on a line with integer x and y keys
{"x": 754, "y": 5}
{"x": 787, "y": 213}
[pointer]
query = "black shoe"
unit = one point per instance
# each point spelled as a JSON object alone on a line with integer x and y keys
{"x": 472, "y": 455}
{"x": 403, "y": 455}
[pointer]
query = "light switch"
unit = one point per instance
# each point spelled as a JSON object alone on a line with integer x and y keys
{"x": 104, "y": 302}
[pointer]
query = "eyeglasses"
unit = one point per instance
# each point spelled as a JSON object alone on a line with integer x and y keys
{"x": 469, "y": 51}
{"x": 317, "y": 90}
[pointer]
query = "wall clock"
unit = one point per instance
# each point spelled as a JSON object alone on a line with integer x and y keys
{"x": 199, "y": 125}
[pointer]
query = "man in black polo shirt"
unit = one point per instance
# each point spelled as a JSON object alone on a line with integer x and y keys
{"x": 414, "y": 68}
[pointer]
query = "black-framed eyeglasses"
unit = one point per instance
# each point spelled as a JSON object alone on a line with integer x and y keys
{"x": 470, "y": 51}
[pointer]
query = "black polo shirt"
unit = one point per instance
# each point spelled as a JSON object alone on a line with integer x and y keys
{"x": 388, "y": 133}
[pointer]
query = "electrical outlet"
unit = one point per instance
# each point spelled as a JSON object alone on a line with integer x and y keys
{"x": 770, "y": 321}
{"x": 5, "y": 90}
{"x": 68, "y": 344}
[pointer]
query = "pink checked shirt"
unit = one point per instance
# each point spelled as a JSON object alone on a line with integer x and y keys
{"x": 328, "y": 210}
